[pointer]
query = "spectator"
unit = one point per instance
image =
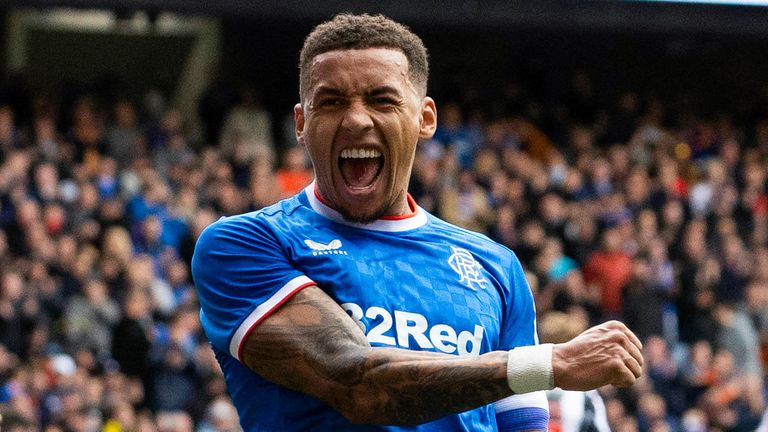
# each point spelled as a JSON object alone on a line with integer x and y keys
{"x": 173, "y": 381}
{"x": 124, "y": 140}
{"x": 247, "y": 128}
{"x": 737, "y": 335}
{"x": 452, "y": 134}
{"x": 571, "y": 411}
{"x": 696, "y": 297}
{"x": 642, "y": 303}
{"x": 87, "y": 134}
{"x": 610, "y": 270}
{"x": 214, "y": 104}
{"x": 10, "y": 137}
{"x": 220, "y": 416}
{"x": 89, "y": 318}
{"x": 294, "y": 174}
{"x": 175, "y": 151}
{"x": 635, "y": 207}
{"x": 132, "y": 336}
{"x": 174, "y": 421}
{"x": 17, "y": 313}
{"x": 466, "y": 204}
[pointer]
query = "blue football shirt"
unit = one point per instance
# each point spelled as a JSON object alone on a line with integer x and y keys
{"x": 412, "y": 282}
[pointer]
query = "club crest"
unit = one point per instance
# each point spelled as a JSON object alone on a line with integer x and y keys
{"x": 468, "y": 269}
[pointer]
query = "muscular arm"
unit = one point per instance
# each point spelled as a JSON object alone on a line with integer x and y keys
{"x": 311, "y": 345}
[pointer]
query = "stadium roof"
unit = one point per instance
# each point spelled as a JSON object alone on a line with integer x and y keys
{"x": 738, "y": 17}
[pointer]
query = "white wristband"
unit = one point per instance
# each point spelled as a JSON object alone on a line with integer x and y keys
{"x": 529, "y": 368}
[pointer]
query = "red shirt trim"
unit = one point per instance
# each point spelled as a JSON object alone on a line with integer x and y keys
{"x": 411, "y": 205}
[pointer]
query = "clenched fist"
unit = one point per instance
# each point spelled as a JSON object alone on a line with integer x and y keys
{"x": 605, "y": 354}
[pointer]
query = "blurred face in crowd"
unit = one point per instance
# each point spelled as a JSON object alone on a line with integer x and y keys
{"x": 6, "y": 122}
{"x": 360, "y": 119}
{"x": 125, "y": 115}
{"x": 612, "y": 240}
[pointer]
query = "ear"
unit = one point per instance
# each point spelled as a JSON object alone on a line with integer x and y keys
{"x": 298, "y": 118}
{"x": 428, "y": 120}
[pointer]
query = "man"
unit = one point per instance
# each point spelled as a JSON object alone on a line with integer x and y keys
{"x": 571, "y": 411}
{"x": 348, "y": 306}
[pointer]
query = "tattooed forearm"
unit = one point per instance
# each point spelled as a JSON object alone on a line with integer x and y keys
{"x": 422, "y": 387}
{"x": 311, "y": 345}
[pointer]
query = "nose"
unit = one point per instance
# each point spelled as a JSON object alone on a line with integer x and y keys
{"x": 357, "y": 118}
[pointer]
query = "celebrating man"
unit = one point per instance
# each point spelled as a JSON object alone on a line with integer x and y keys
{"x": 348, "y": 307}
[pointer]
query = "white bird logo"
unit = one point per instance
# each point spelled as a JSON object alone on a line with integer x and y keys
{"x": 333, "y": 245}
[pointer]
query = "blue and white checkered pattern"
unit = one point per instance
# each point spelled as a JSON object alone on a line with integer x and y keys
{"x": 396, "y": 278}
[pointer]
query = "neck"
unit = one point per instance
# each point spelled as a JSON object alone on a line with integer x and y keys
{"x": 407, "y": 206}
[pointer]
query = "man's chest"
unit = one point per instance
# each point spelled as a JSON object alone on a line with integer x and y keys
{"x": 411, "y": 293}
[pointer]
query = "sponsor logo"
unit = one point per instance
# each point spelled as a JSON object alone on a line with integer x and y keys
{"x": 469, "y": 270}
{"x": 412, "y": 328}
{"x": 332, "y": 248}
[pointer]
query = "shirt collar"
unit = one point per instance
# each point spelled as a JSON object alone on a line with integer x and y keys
{"x": 397, "y": 223}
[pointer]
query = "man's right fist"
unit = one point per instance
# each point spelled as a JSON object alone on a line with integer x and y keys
{"x": 605, "y": 354}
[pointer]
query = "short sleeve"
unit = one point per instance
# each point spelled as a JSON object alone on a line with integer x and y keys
{"x": 529, "y": 411}
{"x": 242, "y": 275}
{"x": 518, "y": 326}
{"x": 523, "y": 412}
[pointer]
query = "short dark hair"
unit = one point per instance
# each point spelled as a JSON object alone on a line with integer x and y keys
{"x": 347, "y": 32}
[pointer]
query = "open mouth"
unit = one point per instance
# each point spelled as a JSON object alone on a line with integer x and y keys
{"x": 360, "y": 167}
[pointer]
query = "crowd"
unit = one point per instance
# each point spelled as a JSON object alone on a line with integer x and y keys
{"x": 633, "y": 210}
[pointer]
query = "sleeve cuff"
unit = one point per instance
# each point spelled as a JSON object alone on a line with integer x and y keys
{"x": 523, "y": 419}
{"x": 264, "y": 310}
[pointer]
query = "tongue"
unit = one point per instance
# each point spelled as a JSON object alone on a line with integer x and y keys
{"x": 359, "y": 172}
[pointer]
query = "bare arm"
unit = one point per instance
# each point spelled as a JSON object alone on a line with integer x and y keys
{"x": 312, "y": 346}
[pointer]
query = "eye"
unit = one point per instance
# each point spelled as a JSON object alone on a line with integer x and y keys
{"x": 330, "y": 102}
{"x": 384, "y": 100}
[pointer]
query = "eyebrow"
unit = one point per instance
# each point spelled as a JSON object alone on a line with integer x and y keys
{"x": 385, "y": 89}
{"x": 325, "y": 90}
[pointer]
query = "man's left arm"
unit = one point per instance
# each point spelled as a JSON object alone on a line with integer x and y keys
{"x": 527, "y": 411}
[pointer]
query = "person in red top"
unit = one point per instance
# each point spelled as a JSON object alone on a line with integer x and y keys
{"x": 294, "y": 175}
{"x": 609, "y": 268}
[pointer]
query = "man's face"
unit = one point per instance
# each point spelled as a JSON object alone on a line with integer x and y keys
{"x": 360, "y": 120}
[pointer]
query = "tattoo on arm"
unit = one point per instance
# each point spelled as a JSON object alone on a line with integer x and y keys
{"x": 311, "y": 345}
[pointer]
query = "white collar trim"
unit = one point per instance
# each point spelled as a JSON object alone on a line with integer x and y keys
{"x": 417, "y": 220}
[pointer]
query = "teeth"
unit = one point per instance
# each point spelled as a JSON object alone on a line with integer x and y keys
{"x": 357, "y": 153}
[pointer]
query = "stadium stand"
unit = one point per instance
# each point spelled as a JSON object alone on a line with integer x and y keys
{"x": 635, "y": 207}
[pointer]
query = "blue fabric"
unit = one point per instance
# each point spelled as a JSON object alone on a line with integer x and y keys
{"x": 523, "y": 419}
{"x": 413, "y": 289}
{"x": 561, "y": 267}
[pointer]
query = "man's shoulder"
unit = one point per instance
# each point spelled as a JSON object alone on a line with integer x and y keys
{"x": 286, "y": 208}
{"x": 284, "y": 215}
{"x": 478, "y": 240}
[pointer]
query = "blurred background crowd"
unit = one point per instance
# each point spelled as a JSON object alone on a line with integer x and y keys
{"x": 633, "y": 207}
